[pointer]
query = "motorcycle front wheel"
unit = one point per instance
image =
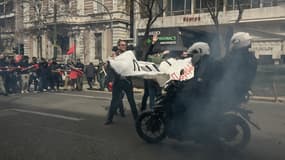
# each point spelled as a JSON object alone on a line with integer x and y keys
{"x": 151, "y": 127}
{"x": 234, "y": 133}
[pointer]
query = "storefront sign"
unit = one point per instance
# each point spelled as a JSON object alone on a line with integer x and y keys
{"x": 191, "y": 19}
{"x": 164, "y": 40}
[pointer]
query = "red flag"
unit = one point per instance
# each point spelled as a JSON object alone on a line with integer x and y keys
{"x": 71, "y": 50}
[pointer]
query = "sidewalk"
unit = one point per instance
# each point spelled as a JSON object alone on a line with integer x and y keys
{"x": 96, "y": 89}
{"x": 140, "y": 91}
{"x": 268, "y": 99}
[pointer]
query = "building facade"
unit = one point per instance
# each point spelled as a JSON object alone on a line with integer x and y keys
{"x": 52, "y": 27}
{"x": 11, "y": 25}
{"x": 189, "y": 21}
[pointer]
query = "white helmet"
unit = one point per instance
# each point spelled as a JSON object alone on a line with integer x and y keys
{"x": 200, "y": 48}
{"x": 240, "y": 40}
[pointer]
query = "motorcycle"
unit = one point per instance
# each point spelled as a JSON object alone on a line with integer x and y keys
{"x": 227, "y": 127}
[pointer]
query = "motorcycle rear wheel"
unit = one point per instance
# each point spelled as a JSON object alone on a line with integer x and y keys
{"x": 151, "y": 127}
{"x": 234, "y": 133}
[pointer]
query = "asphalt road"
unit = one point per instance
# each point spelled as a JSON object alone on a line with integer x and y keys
{"x": 69, "y": 126}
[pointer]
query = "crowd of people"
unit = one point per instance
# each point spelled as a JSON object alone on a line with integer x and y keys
{"x": 18, "y": 75}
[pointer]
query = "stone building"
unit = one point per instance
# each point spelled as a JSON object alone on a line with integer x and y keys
{"x": 51, "y": 27}
{"x": 11, "y": 26}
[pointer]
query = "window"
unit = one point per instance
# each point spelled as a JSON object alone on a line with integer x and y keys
{"x": 267, "y": 3}
{"x": 202, "y": 6}
{"x": 282, "y": 59}
{"x": 281, "y": 1}
{"x": 178, "y": 7}
{"x": 98, "y": 46}
{"x": 255, "y": 3}
{"x": 244, "y": 4}
{"x": 6, "y": 8}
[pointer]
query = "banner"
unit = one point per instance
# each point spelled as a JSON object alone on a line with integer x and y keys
{"x": 126, "y": 64}
{"x": 177, "y": 69}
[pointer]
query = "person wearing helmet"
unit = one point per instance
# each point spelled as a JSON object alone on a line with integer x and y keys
{"x": 195, "y": 92}
{"x": 240, "y": 67}
{"x": 205, "y": 66}
{"x": 200, "y": 52}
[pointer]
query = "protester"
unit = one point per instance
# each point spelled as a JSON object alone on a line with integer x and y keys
{"x": 55, "y": 75}
{"x": 2, "y": 75}
{"x": 67, "y": 69}
{"x": 151, "y": 88}
{"x": 34, "y": 75}
{"x": 101, "y": 75}
{"x": 90, "y": 73}
{"x": 24, "y": 75}
{"x": 43, "y": 75}
{"x": 80, "y": 70}
{"x": 239, "y": 69}
{"x": 121, "y": 84}
{"x": 72, "y": 75}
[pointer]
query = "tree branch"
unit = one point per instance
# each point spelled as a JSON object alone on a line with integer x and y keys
{"x": 212, "y": 12}
{"x": 240, "y": 12}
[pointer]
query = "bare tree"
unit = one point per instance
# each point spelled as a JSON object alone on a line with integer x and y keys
{"x": 151, "y": 10}
{"x": 223, "y": 39}
{"x": 38, "y": 19}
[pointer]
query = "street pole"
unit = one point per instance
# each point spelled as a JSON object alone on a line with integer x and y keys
{"x": 132, "y": 19}
{"x": 74, "y": 41}
{"x": 5, "y": 25}
{"x": 54, "y": 29}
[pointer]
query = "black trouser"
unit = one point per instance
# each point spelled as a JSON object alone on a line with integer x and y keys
{"x": 121, "y": 106}
{"x": 12, "y": 82}
{"x": 43, "y": 82}
{"x": 33, "y": 79}
{"x": 90, "y": 81}
{"x": 118, "y": 87}
{"x": 145, "y": 96}
{"x": 151, "y": 90}
{"x": 54, "y": 80}
{"x": 2, "y": 85}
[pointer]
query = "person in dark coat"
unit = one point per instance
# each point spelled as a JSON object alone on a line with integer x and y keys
{"x": 101, "y": 75}
{"x": 239, "y": 70}
{"x": 24, "y": 74}
{"x": 34, "y": 77}
{"x": 43, "y": 75}
{"x": 79, "y": 81}
{"x": 55, "y": 75}
{"x": 151, "y": 87}
{"x": 90, "y": 73}
{"x": 3, "y": 73}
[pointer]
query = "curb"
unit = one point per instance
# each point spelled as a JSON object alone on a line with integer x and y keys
{"x": 140, "y": 91}
{"x": 256, "y": 98}
{"x": 268, "y": 99}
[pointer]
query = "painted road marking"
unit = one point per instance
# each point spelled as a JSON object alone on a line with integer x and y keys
{"x": 83, "y": 96}
{"x": 93, "y": 97}
{"x": 48, "y": 114}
